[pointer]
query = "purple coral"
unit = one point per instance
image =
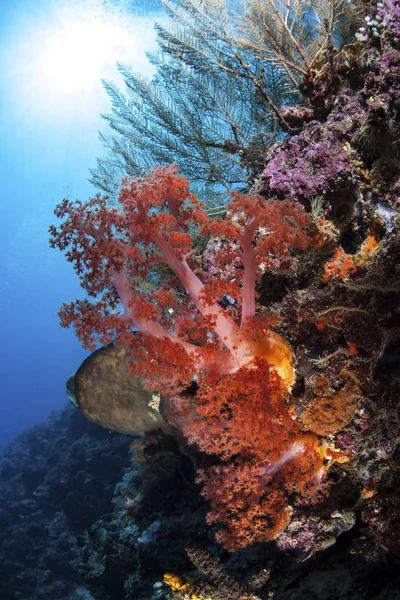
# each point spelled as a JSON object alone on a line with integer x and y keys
{"x": 389, "y": 11}
{"x": 303, "y": 170}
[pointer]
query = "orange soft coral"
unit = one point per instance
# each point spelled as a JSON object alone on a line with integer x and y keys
{"x": 115, "y": 252}
{"x": 265, "y": 458}
{"x": 243, "y": 369}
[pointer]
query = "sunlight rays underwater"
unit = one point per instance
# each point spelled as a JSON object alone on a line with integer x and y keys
{"x": 60, "y": 51}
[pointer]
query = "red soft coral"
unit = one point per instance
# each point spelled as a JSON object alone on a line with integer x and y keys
{"x": 242, "y": 368}
{"x": 115, "y": 252}
{"x": 267, "y": 463}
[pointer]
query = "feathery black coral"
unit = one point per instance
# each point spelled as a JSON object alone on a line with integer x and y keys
{"x": 225, "y": 71}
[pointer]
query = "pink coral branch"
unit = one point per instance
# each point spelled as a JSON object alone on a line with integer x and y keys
{"x": 145, "y": 325}
{"x": 249, "y": 264}
{"x": 226, "y": 329}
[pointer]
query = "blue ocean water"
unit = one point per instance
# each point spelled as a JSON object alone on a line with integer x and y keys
{"x": 49, "y": 118}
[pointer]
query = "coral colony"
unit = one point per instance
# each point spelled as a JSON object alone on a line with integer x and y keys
{"x": 263, "y": 330}
{"x": 242, "y": 368}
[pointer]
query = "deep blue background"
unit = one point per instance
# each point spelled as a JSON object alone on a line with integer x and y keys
{"x": 45, "y": 153}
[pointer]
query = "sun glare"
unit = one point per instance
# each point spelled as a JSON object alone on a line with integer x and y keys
{"x": 73, "y": 57}
{"x": 62, "y": 56}
{"x": 78, "y": 53}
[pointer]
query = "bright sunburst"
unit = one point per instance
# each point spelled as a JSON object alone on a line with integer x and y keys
{"x": 61, "y": 56}
{"x": 75, "y": 53}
